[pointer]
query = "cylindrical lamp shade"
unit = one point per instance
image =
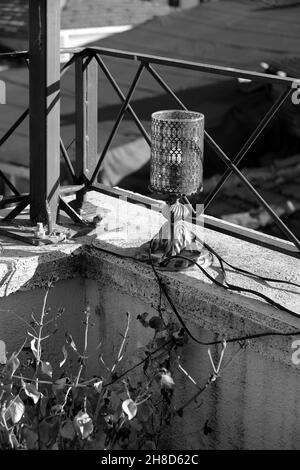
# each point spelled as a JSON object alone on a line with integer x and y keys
{"x": 176, "y": 166}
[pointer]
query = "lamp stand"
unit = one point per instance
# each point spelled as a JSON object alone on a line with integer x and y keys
{"x": 176, "y": 237}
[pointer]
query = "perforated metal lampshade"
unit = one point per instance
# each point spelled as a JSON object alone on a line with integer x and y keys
{"x": 176, "y": 166}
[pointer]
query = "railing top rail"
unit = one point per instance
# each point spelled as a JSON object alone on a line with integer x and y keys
{"x": 199, "y": 66}
{"x": 169, "y": 62}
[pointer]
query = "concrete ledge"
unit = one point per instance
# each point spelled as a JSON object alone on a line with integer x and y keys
{"x": 199, "y": 301}
{"x": 217, "y": 311}
{"x": 23, "y": 267}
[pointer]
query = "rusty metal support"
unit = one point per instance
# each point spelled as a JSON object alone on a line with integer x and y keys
{"x": 86, "y": 90}
{"x": 44, "y": 106}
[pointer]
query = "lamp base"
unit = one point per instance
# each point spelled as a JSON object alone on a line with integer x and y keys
{"x": 203, "y": 258}
{"x": 176, "y": 247}
{"x": 189, "y": 257}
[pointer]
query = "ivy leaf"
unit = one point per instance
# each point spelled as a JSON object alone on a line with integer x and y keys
{"x": 31, "y": 391}
{"x": 149, "y": 445}
{"x": 130, "y": 408}
{"x": 180, "y": 337}
{"x": 142, "y": 317}
{"x": 98, "y": 386}
{"x": 156, "y": 323}
{"x": 83, "y": 424}
{"x": 15, "y": 410}
{"x": 57, "y": 409}
{"x": 59, "y": 384}
{"x": 48, "y": 431}
{"x": 31, "y": 439}
{"x": 3, "y": 359}
{"x": 46, "y": 368}
{"x": 67, "y": 430}
{"x": 65, "y": 354}
{"x": 166, "y": 380}
{"x": 144, "y": 412}
{"x": 137, "y": 425}
{"x": 33, "y": 347}
{"x": 43, "y": 405}
{"x": 114, "y": 400}
{"x": 70, "y": 341}
{"x": 13, "y": 440}
{"x": 11, "y": 365}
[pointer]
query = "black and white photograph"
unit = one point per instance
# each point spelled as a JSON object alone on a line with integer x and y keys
{"x": 149, "y": 229}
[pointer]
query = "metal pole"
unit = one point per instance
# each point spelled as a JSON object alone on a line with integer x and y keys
{"x": 86, "y": 90}
{"x": 44, "y": 107}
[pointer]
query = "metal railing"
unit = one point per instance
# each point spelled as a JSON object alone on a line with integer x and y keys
{"x": 87, "y": 165}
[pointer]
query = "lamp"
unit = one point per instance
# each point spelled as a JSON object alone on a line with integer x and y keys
{"x": 176, "y": 171}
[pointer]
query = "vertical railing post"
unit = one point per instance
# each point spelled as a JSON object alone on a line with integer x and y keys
{"x": 44, "y": 105}
{"x": 86, "y": 111}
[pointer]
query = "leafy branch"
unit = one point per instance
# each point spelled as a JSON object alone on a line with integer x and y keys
{"x": 128, "y": 407}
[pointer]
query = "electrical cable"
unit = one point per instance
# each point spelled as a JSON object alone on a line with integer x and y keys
{"x": 231, "y": 340}
{"x": 244, "y": 271}
{"x": 227, "y": 287}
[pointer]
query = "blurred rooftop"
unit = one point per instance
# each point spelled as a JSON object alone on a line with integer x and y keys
{"x": 231, "y": 33}
{"x": 77, "y": 14}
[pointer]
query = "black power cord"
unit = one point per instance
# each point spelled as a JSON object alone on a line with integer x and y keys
{"x": 228, "y": 286}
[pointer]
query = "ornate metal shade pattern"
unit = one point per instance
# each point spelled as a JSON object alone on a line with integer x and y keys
{"x": 176, "y": 152}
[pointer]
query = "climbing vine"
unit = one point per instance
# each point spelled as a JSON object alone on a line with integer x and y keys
{"x": 47, "y": 407}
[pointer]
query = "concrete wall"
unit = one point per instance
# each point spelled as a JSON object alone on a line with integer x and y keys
{"x": 253, "y": 405}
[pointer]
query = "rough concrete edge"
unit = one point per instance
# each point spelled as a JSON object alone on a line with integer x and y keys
{"x": 49, "y": 268}
{"x": 223, "y": 313}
